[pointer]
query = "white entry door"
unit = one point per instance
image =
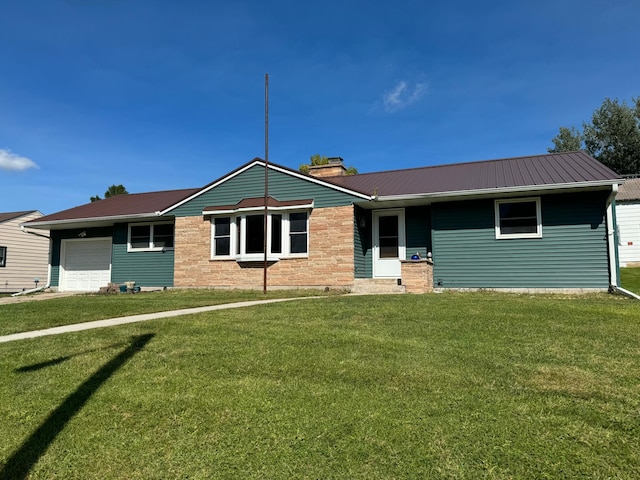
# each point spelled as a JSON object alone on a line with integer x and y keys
{"x": 388, "y": 242}
{"x": 85, "y": 264}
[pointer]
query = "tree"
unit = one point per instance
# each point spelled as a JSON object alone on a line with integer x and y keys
{"x": 568, "y": 140}
{"x": 317, "y": 159}
{"x": 612, "y": 137}
{"x": 112, "y": 191}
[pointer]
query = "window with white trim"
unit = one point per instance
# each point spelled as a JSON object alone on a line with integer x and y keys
{"x": 149, "y": 237}
{"x": 518, "y": 218}
{"x": 287, "y": 236}
{"x": 3, "y": 256}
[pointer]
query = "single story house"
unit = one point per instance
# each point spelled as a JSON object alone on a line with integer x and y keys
{"x": 628, "y": 222}
{"x": 529, "y": 223}
{"x": 24, "y": 257}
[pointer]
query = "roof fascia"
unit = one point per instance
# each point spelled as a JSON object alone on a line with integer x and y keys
{"x": 258, "y": 209}
{"x": 272, "y": 166}
{"x": 492, "y": 192}
{"x": 73, "y": 221}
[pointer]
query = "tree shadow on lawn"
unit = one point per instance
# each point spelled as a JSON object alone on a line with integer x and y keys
{"x": 56, "y": 361}
{"x": 25, "y": 457}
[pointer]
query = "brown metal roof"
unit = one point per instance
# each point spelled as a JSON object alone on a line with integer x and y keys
{"x": 259, "y": 202}
{"x": 121, "y": 205}
{"x": 542, "y": 170}
{"x": 5, "y": 217}
{"x": 629, "y": 190}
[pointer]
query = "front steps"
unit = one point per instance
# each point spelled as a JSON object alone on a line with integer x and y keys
{"x": 364, "y": 286}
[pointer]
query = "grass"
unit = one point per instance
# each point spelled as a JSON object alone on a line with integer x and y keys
{"x": 630, "y": 279}
{"x": 21, "y": 317}
{"x": 475, "y": 385}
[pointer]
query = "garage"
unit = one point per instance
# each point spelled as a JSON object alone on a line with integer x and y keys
{"x": 85, "y": 264}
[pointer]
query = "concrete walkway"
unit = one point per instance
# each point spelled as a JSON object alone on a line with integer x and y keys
{"x": 110, "y": 322}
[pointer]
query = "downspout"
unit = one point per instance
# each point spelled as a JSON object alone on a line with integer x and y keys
{"x": 611, "y": 240}
{"x": 611, "y": 244}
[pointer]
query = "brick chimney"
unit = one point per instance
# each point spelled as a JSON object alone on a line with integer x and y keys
{"x": 335, "y": 168}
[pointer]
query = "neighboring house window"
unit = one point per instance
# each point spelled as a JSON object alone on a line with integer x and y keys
{"x": 518, "y": 218}
{"x": 150, "y": 237}
{"x": 287, "y": 235}
{"x": 3, "y": 256}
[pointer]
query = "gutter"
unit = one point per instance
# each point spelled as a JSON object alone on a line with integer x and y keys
{"x": 71, "y": 221}
{"x": 611, "y": 241}
{"x": 500, "y": 191}
{"x": 22, "y": 227}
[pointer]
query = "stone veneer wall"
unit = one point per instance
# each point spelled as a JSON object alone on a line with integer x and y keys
{"x": 417, "y": 275}
{"x": 329, "y": 264}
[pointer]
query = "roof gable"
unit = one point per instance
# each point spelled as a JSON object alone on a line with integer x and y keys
{"x": 5, "y": 217}
{"x": 247, "y": 181}
{"x": 258, "y": 162}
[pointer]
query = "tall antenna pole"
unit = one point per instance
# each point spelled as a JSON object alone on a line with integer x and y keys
{"x": 266, "y": 176}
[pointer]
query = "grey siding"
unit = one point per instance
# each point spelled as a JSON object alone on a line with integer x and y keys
{"x": 147, "y": 269}
{"x": 250, "y": 184}
{"x": 572, "y": 252}
{"x": 27, "y": 255}
{"x": 58, "y": 235}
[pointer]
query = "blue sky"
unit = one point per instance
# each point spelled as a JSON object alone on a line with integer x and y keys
{"x": 160, "y": 95}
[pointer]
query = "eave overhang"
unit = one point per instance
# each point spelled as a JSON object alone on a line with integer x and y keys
{"x": 386, "y": 201}
{"x": 91, "y": 222}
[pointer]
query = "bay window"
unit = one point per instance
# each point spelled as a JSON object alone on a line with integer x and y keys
{"x": 243, "y": 234}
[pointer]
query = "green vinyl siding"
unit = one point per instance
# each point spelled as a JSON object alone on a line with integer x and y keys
{"x": 572, "y": 252}
{"x": 250, "y": 184}
{"x": 418, "y": 230}
{"x": 56, "y": 243}
{"x": 418, "y": 237}
{"x": 147, "y": 269}
{"x": 363, "y": 257}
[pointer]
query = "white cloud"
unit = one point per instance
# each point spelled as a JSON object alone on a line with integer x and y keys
{"x": 12, "y": 162}
{"x": 402, "y": 95}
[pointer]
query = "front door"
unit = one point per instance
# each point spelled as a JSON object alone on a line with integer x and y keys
{"x": 388, "y": 242}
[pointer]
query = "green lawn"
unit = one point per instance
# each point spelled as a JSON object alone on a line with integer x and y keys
{"x": 630, "y": 279}
{"x": 21, "y": 317}
{"x": 473, "y": 385}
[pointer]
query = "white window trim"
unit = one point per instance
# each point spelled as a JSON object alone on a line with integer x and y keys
{"x": 504, "y": 236}
{"x": 3, "y": 258}
{"x": 238, "y": 220}
{"x": 151, "y": 247}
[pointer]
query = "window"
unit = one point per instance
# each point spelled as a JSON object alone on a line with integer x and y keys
{"x": 287, "y": 235}
{"x": 518, "y": 218}
{"x": 150, "y": 237}
{"x": 3, "y": 256}
{"x": 222, "y": 236}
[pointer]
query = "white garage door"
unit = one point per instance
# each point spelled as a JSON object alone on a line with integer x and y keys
{"x": 85, "y": 264}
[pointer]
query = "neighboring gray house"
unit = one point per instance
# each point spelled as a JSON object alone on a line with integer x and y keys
{"x": 628, "y": 222}
{"x": 24, "y": 256}
{"x": 543, "y": 222}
